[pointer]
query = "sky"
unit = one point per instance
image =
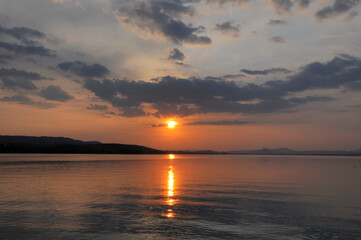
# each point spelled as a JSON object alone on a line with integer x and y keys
{"x": 233, "y": 74}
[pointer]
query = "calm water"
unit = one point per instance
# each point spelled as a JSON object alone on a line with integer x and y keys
{"x": 189, "y": 197}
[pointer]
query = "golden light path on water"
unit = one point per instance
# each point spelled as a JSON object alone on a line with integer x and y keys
{"x": 170, "y": 194}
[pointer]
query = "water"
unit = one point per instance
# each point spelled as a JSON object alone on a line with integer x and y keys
{"x": 189, "y": 197}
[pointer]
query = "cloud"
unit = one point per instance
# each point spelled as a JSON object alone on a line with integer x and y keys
{"x": 340, "y": 71}
{"x": 164, "y": 18}
{"x": 304, "y": 3}
{"x": 265, "y": 72}
{"x": 351, "y": 16}
{"x": 286, "y": 6}
{"x": 282, "y": 6}
{"x": 276, "y": 40}
{"x": 172, "y": 96}
{"x": 18, "y": 79}
{"x": 97, "y": 107}
{"x": 21, "y": 99}
{"x": 4, "y": 58}
{"x": 27, "y": 50}
{"x": 55, "y": 93}
{"x": 228, "y": 29}
{"x": 232, "y": 76}
{"x": 22, "y": 34}
{"x": 276, "y": 22}
{"x": 176, "y": 54}
{"x": 222, "y": 2}
{"x": 220, "y": 123}
{"x": 337, "y": 8}
{"x": 204, "y": 123}
{"x": 82, "y": 69}
{"x": 159, "y": 125}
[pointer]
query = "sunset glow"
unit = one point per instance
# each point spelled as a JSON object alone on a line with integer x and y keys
{"x": 179, "y": 79}
{"x": 180, "y": 119}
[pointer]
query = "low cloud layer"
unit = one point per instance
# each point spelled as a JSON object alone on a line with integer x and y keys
{"x": 97, "y": 107}
{"x": 210, "y": 123}
{"x": 219, "y": 123}
{"x": 24, "y": 100}
{"x": 55, "y": 93}
{"x": 18, "y": 79}
{"x": 172, "y": 96}
{"x": 83, "y": 69}
{"x": 265, "y": 72}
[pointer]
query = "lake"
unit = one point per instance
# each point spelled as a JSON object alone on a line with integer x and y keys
{"x": 69, "y": 196}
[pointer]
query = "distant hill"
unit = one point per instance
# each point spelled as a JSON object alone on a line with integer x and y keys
{"x": 41, "y": 140}
{"x": 28, "y": 144}
{"x": 286, "y": 151}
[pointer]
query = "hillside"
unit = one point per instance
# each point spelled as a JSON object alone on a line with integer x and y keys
{"x": 29, "y": 144}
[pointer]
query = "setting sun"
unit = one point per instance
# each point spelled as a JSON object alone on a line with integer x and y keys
{"x": 171, "y": 124}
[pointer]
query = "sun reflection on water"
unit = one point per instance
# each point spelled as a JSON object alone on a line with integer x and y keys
{"x": 170, "y": 193}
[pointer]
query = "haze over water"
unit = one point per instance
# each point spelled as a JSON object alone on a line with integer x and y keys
{"x": 188, "y": 197}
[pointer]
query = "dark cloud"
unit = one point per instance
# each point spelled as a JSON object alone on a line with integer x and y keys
{"x": 337, "y": 8}
{"x": 164, "y": 18}
{"x": 286, "y": 6}
{"x": 222, "y": 2}
{"x": 132, "y": 112}
{"x": 171, "y": 96}
{"x": 220, "y": 123}
{"x": 20, "y": 99}
{"x": 97, "y": 107}
{"x": 276, "y": 40}
{"x": 276, "y": 22}
{"x": 214, "y": 123}
{"x": 232, "y": 76}
{"x": 282, "y": 6}
{"x": 110, "y": 113}
{"x": 159, "y": 125}
{"x": 22, "y": 34}
{"x": 265, "y": 72}
{"x": 304, "y": 3}
{"x": 82, "y": 69}
{"x": 55, "y": 93}
{"x": 18, "y": 79}
{"x": 340, "y": 71}
{"x": 176, "y": 54}
{"x": 27, "y": 50}
{"x": 229, "y": 29}
{"x": 4, "y": 58}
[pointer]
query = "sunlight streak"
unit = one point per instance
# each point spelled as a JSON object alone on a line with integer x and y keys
{"x": 170, "y": 192}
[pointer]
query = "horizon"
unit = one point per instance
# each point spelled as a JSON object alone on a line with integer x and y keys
{"x": 206, "y": 74}
{"x": 194, "y": 150}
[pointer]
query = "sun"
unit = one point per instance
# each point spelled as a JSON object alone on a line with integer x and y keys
{"x": 171, "y": 124}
